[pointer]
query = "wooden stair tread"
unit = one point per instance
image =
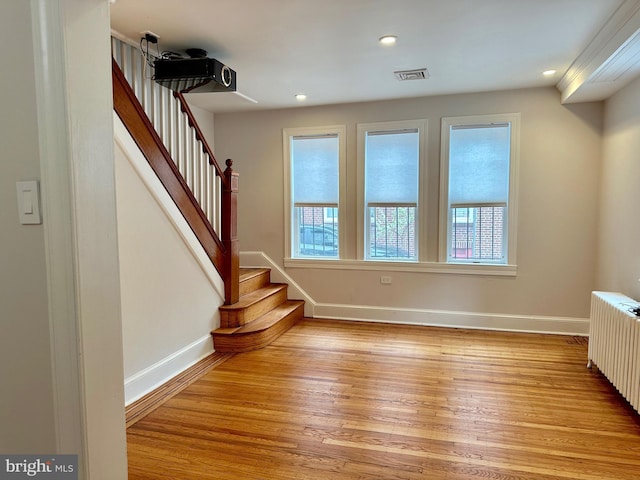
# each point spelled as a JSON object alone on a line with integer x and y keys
{"x": 252, "y": 279}
{"x": 263, "y": 322}
{"x": 249, "y": 273}
{"x": 254, "y": 297}
{"x": 260, "y": 316}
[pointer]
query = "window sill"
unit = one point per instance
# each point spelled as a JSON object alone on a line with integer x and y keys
{"x": 425, "y": 267}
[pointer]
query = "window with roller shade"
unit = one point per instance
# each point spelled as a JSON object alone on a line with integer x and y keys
{"x": 390, "y": 166}
{"x": 314, "y": 165}
{"x": 479, "y": 181}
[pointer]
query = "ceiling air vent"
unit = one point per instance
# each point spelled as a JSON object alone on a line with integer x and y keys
{"x": 417, "y": 74}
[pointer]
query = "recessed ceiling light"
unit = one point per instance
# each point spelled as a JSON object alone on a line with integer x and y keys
{"x": 548, "y": 73}
{"x": 300, "y": 97}
{"x": 388, "y": 39}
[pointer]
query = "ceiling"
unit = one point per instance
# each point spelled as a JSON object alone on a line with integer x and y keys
{"x": 329, "y": 49}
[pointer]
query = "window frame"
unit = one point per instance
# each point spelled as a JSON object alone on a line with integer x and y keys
{"x": 289, "y": 221}
{"x": 421, "y": 126}
{"x": 445, "y": 220}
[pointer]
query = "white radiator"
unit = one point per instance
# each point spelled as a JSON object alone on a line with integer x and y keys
{"x": 614, "y": 343}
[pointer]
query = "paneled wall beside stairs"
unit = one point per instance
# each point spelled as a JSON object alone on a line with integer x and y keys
{"x": 262, "y": 314}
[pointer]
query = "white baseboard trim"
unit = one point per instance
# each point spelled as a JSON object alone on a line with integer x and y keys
{"x": 452, "y": 319}
{"x": 414, "y": 316}
{"x": 143, "y": 382}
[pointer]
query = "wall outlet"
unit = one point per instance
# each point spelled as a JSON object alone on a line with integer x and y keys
{"x": 385, "y": 280}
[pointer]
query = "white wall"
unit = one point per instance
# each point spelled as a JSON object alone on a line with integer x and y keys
{"x": 59, "y": 282}
{"x": 91, "y": 228}
{"x": 170, "y": 290}
{"x": 560, "y": 154}
{"x": 619, "y": 232}
{"x": 26, "y": 398}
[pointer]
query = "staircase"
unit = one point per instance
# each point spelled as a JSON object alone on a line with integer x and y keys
{"x": 256, "y": 311}
{"x": 261, "y": 315}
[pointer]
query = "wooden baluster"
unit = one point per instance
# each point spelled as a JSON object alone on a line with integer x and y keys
{"x": 230, "y": 235}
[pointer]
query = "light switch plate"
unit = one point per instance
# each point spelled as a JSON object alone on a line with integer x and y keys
{"x": 29, "y": 202}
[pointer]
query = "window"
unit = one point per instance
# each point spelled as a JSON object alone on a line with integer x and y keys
{"x": 389, "y": 169}
{"x": 479, "y": 181}
{"x": 314, "y": 166}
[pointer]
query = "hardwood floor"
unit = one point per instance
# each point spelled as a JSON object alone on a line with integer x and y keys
{"x": 338, "y": 400}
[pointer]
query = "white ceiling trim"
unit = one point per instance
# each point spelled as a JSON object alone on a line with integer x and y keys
{"x": 608, "y": 61}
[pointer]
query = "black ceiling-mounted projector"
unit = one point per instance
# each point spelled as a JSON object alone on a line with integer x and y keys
{"x": 194, "y": 75}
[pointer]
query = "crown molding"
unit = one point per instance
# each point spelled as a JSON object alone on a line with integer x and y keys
{"x": 614, "y": 47}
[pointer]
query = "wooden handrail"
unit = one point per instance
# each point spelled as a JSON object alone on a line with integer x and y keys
{"x": 223, "y": 254}
{"x": 184, "y": 106}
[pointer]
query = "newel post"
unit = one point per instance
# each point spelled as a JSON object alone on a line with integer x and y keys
{"x": 230, "y": 235}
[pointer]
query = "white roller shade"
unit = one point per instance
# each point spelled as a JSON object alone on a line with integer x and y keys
{"x": 479, "y": 165}
{"x": 391, "y": 167}
{"x": 315, "y": 170}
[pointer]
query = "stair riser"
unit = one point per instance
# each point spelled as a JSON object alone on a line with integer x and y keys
{"x": 237, "y": 318}
{"x": 254, "y": 283}
{"x": 256, "y": 340}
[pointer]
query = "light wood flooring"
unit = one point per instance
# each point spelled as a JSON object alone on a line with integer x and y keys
{"x": 338, "y": 400}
